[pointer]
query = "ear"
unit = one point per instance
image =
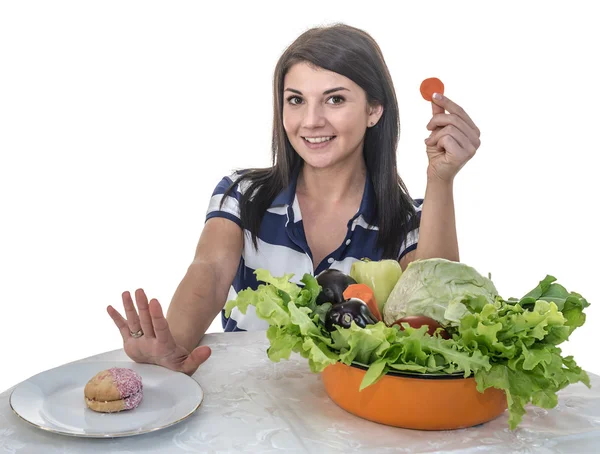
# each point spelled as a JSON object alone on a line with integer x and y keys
{"x": 375, "y": 112}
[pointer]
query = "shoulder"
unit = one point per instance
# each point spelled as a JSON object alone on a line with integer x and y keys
{"x": 236, "y": 182}
{"x": 225, "y": 199}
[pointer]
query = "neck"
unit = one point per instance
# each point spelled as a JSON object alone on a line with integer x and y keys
{"x": 333, "y": 185}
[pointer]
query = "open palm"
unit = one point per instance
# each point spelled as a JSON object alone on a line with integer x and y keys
{"x": 156, "y": 344}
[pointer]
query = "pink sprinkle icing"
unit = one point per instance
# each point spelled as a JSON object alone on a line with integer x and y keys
{"x": 129, "y": 384}
{"x": 133, "y": 401}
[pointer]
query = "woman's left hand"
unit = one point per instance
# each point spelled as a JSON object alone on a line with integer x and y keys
{"x": 453, "y": 141}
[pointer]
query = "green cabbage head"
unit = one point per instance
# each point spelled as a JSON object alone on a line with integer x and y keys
{"x": 435, "y": 288}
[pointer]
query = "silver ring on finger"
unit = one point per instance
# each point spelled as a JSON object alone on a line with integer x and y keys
{"x": 138, "y": 333}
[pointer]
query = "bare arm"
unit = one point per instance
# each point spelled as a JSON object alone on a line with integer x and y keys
{"x": 202, "y": 292}
{"x": 437, "y": 231}
{"x": 453, "y": 141}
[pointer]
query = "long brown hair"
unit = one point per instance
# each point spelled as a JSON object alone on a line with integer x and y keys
{"x": 354, "y": 54}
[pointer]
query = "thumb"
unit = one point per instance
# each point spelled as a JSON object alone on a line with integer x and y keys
{"x": 195, "y": 359}
{"x": 435, "y": 109}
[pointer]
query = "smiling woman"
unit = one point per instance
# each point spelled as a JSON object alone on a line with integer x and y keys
{"x": 332, "y": 196}
{"x": 333, "y": 82}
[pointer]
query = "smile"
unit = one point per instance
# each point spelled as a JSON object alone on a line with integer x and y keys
{"x": 318, "y": 139}
{"x": 318, "y": 143}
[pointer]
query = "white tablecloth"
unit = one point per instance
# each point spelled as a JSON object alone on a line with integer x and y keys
{"x": 254, "y": 405}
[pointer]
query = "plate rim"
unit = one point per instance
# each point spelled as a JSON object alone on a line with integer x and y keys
{"x": 105, "y": 435}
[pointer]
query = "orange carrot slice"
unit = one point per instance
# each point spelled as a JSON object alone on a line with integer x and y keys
{"x": 363, "y": 292}
{"x": 431, "y": 86}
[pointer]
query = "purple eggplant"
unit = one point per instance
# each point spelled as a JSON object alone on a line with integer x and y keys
{"x": 353, "y": 310}
{"x": 333, "y": 283}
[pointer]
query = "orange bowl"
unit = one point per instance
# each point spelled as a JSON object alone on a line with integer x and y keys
{"x": 413, "y": 402}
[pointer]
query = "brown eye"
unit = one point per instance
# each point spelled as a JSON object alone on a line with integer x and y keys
{"x": 336, "y": 100}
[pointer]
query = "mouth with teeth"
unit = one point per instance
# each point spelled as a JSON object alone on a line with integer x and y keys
{"x": 318, "y": 142}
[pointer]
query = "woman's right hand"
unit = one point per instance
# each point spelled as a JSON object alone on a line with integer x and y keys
{"x": 156, "y": 345}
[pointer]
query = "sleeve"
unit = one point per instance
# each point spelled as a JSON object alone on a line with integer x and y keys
{"x": 412, "y": 237}
{"x": 230, "y": 209}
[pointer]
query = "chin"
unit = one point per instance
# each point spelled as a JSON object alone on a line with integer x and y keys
{"x": 319, "y": 159}
{"x": 322, "y": 161}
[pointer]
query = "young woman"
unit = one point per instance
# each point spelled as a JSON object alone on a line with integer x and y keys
{"x": 332, "y": 196}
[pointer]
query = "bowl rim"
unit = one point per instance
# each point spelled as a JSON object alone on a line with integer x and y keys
{"x": 417, "y": 375}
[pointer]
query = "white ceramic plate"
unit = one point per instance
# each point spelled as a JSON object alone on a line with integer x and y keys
{"x": 53, "y": 400}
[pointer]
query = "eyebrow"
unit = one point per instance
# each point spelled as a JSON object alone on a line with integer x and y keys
{"x": 326, "y": 92}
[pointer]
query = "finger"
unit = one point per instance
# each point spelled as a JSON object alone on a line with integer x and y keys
{"x": 144, "y": 313}
{"x": 195, "y": 359}
{"x": 435, "y": 109}
{"x": 160, "y": 324}
{"x": 120, "y": 322}
{"x": 133, "y": 319}
{"x": 453, "y": 108}
{"x": 450, "y": 130}
{"x": 440, "y": 121}
{"x": 452, "y": 147}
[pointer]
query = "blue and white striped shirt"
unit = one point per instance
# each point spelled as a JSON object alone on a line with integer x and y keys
{"x": 282, "y": 244}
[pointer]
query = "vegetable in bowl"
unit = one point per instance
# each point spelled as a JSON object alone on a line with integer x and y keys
{"x": 435, "y": 288}
{"x": 508, "y": 344}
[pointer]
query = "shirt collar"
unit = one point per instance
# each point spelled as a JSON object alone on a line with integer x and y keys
{"x": 367, "y": 204}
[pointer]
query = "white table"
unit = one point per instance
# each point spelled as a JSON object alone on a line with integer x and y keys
{"x": 254, "y": 405}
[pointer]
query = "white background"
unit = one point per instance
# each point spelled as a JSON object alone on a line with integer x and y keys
{"x": 118, "y": 118}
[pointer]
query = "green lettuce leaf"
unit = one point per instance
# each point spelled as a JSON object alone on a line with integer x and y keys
{"x": 284, "y": 340}
{"x": 281, "y": 283}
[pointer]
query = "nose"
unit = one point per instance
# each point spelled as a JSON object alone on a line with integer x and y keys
{"x": 313, "y": 116}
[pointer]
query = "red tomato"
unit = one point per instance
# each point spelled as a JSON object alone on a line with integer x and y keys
{"x": 416, "y": 321}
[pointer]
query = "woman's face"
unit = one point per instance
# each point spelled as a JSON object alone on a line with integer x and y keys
{"x": 325, "y": 115}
